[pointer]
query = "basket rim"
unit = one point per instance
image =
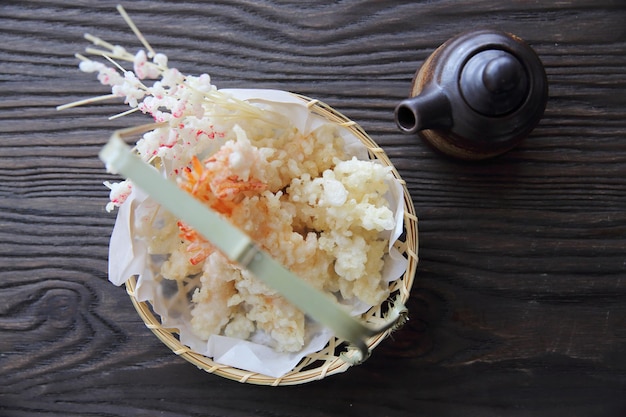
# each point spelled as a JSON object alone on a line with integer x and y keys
{"x": 331, "y": 362}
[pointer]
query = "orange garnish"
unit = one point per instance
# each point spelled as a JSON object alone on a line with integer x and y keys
{"x": 220, "y": 192}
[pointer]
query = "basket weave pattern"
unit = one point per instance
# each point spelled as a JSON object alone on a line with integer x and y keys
{"x": 334, "y": 358}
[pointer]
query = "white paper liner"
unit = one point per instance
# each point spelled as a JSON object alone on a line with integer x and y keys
{"x": 129, "y": 257}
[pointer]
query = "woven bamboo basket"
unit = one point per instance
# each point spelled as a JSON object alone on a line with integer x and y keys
{"x": 336, "y": 356}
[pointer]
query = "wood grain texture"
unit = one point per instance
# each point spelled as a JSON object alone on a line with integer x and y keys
{"x": 519, "y": 306}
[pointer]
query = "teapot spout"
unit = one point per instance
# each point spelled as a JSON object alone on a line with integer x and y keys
{"x": 428, "y": 110}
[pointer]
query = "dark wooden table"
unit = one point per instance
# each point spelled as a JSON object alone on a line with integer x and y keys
{"x": 519, "y": 303}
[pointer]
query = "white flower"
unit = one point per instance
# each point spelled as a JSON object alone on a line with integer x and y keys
{"x": 91, "y": 66}
{"x": 172, "y": 78}
{"x": 143, "y": 68}
{"x": 160, "y": 60}
{"x": 119, "y": 193}
{"x": 108, "y": 76}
